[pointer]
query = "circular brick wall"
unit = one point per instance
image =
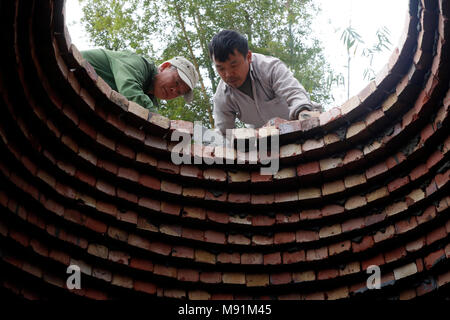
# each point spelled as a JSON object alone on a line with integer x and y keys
{"x": 87, "y": 180}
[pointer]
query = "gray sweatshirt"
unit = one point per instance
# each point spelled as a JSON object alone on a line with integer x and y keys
{"x": 276, "y": 94}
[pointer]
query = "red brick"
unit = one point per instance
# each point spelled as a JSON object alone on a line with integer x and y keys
{"x": 138, "y": 241}
{"x": 166, "y": 271}
{"x": 194, "y": 213}
{"x": 435, "y": 235}
{"x": 353, "y": 224}
{"x": 129, "y": 217}
{"x": 188, "y": 275}
{"x": 106, "y": 188}
{"x": 427, "y": 215}
{"x": 330, "y": 163}
{"x": 193, "y": 234}
{"x": 119, "y": 257}
{"x": 59, "y": 256}
{"x": 317, "y": 254}
{"x": 211, "y": 277}
{"x": 280, "y": 278}
{"x": 355, "y": 202}
{"x": 282, "y": 218}
{"x": 442, "y": 179}
{"x": 308, "y": 168}
{"x": 198, "y": 193}
{"x": 167, "y": 166}
{"x": 433, "y": 257}
{"x": 96, "y": 225}
{"x": 332, "y": 209}
{"x": 39, "y": 247}
{"x": 224, "y": 257}
{"x": 434, "y": 159}
{"x": 384, "y": 234}
{"x": 327, "y": 274}
{"x": 337, "y": 248}
{"x": 395, "y": 254}
{"x": 293, "y": 257}
{"x": 215, "y": 237}
{"x": 415, "y": 244}
{"x": 366, "y": 243}
{"x": 171, "y": 230}
{"x": 310, "y": 214}
{"x": 74, "y": 216}
{"x": 272, "y": 258}
{"x": 284, "y": 237}
{"x": 217, "y": 216}
{"x": 350, "y": 105}
{"x": 256, "y": 176}
{"x": 125, "y": 151}
{"x": 355, "y": 128}
{"x": 183, "y": 252}
{"x": 286, "y": 196}
{"x": 262, "y": 198}
{"x": 171, "y": 187}
{"x": 170, "y": 208}
{"x": 146, "y": 287}
{"x": 333, "y": 187}
{"x": 239, "y": 197}
{"x": 328, "y": 231}
{"x": 352, "y": 156}
{"x": 150, "y": 204}
{"x": 312, "y": 144}
{"x": 418, "y": 171}
{"x": 238, "y": 239}
{"x": 377, "y": 194}
{"x": 109, "y": 166}
{"x": 262, "y": 240}
{"x": 391, "y": 162}
{"x": 431, "y": 188}
{"x": 150, "y": 182}
{"x": 161, "y": 248}
{"x": 306, "y": 236}
{"x": 398, "y": 183}
{"x": 405, "y": 225}
{"x": 252, "y": 258}
{"x": 262, "y": 220}
{"x": 378, "y": 260}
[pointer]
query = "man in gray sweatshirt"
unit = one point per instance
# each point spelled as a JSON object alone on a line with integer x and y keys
{"x": 253, "y": 87}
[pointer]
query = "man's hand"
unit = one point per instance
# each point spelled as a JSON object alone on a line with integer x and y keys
{"x": 306, "y": 114}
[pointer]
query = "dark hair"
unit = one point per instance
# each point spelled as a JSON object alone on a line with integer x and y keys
{"x": 224, "y": 43}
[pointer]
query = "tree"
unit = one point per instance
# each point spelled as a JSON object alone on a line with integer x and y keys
{"x": 166, "y": 28}
{"x": 352, "y": 41}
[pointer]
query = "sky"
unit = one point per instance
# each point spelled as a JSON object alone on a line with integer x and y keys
{"x": 366, "y": 16}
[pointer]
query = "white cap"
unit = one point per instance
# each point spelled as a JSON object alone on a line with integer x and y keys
{"x": 187, "y": 73}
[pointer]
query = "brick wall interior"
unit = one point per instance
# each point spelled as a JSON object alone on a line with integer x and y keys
{"x": 87, "y": 180}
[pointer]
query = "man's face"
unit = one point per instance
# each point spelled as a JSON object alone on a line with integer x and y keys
{"x": 168, "y": 84}
{"x": 235, "y": 69}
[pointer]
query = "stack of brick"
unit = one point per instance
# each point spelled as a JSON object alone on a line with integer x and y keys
{"x": 87, "y": 180}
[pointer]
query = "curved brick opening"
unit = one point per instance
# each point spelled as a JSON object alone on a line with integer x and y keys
{"x": 87, "y": 180}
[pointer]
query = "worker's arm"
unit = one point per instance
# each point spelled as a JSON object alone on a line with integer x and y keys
{"x": 224, "y": 115}
{"x": 287, "y": 86}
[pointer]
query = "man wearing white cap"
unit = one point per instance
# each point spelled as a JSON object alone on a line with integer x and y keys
{"x": 139, "y": 80}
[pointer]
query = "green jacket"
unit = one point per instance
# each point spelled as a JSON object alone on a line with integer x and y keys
{"x": 126, "y": 72}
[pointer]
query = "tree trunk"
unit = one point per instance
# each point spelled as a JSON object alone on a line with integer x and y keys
{"x": 195, "y": 62}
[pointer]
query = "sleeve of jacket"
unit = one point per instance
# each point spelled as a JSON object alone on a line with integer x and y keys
{"x": 130, "y": 78}
{"x": 224, "y": 116}
{"x": 287, "y": 86}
